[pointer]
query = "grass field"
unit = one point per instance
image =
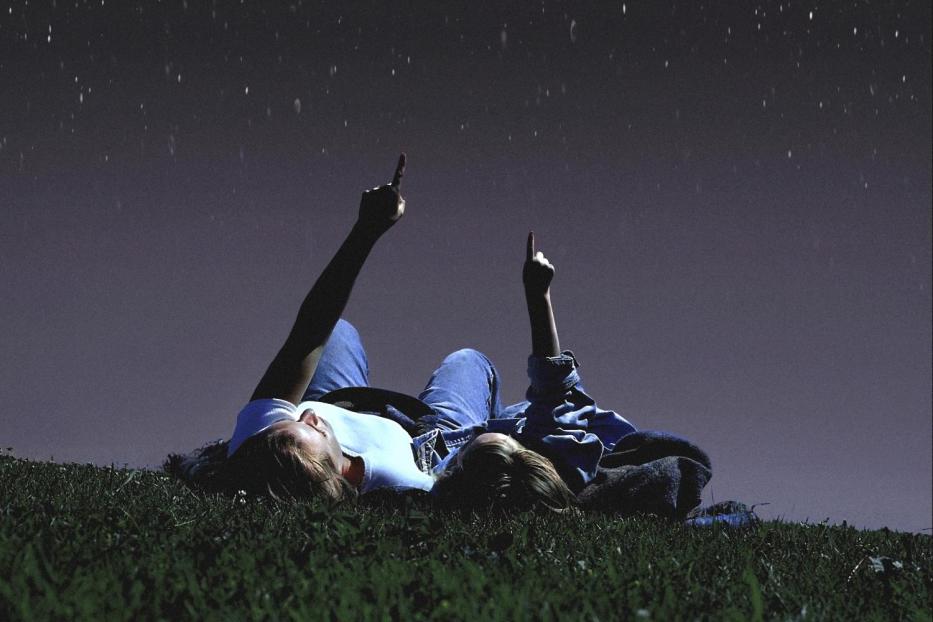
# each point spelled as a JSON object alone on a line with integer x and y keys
{"x": 81, "y": 542}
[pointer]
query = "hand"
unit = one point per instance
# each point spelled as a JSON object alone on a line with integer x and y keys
{"x": 381, "y": 207}
{"x": 538, "y": 271}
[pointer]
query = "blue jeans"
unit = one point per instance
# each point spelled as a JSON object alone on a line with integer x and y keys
{"x": 463, "y": 392}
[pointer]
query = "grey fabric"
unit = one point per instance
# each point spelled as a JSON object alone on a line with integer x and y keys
{"x": 647, "y": 445}
{"x": 668, "y": 487}
{"x": 649, "y": 473}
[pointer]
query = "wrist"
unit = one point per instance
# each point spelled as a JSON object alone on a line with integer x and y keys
{"x": 365, "y": 232}
{"x": 537, "y": 294}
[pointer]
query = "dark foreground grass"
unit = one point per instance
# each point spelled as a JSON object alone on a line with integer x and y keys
{"x": 79, "y": 542}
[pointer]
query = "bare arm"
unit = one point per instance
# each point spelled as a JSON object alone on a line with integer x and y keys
{"x": 536, "y": 276}
{"x": 292, "y": 368}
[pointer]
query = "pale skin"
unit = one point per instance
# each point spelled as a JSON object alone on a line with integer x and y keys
{"x": 291, "y": 370}
{"x": 537, "y": 274}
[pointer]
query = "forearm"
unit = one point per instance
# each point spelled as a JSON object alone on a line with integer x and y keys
{"x": 324, "y": 304}
{"x": 293, "y": 367}
{"x": 291, "y": 370}
{"x": 544, "y": 341}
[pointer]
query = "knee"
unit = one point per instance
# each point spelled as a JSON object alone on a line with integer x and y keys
{"x": 344, "y": 334}
{"x": 345, "y": 330}
{"x": 468, "y": 356}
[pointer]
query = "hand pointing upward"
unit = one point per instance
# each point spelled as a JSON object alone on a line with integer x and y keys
{"x": 381, "y": 207}
{"x": 537, "y": 271}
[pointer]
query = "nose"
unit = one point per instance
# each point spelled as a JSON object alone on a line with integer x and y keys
{"x": 309, "y": 416}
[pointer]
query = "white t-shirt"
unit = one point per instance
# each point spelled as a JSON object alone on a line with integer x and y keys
{"x": 383, "y": 445}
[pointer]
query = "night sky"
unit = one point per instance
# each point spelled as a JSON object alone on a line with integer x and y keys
{"x": 736, "y": 195}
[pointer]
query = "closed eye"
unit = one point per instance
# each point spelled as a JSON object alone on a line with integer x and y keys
{"x": 320, "y": 430}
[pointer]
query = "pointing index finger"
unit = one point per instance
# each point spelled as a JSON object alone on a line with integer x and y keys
{"x": 530, "y": 250}
{"x": 399, "y": 171}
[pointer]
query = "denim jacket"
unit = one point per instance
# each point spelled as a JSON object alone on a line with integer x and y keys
{"x": 558, "y": 420}
{"x": 561, "y": 421}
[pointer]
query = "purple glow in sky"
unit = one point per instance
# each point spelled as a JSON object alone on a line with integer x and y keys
{"x": 737, "y": 199}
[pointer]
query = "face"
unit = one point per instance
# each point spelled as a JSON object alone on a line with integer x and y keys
{"x": 486, "y": 439}
{"x": 315, "y": 436}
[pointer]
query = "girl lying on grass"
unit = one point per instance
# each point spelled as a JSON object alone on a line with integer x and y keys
{"x": 309, "y": 428}
{"x": 510, "y": 463}
{"x": 298, "y": 437}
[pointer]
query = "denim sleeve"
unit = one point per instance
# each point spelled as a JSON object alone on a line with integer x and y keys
{"x": 563, "y": 422}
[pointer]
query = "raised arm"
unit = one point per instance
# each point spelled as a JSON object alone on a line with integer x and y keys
{"x": 562, "y": 421}
{"x": 292, "y": 368}
{"x": 536, "y": 276}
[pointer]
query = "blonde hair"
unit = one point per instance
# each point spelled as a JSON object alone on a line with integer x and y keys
{"x": 506, "y": 475}
{"x": 270, "y": 465}
{"x": 275, "y": 465}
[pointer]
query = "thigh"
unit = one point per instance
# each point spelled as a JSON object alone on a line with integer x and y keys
{"x": 343, "y": 363}
{"x": 463, "y": 391}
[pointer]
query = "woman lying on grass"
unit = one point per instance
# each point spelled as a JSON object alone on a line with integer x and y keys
{"x": 309, "y": 428}
{"x": 295, "y": 440}
{"x": 510, "y": 464}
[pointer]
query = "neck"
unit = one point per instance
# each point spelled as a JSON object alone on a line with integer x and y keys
{"x": 353, "y": 470}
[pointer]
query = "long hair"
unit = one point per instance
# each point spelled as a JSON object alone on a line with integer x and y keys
{"x": 202, "y": 468}
{"x": 271, "y": 464}
{"x": 499, "y": 474}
